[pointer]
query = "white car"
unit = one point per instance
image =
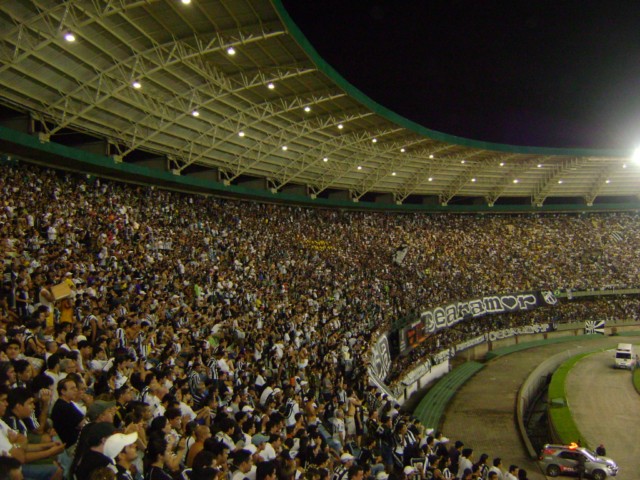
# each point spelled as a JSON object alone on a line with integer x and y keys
{"x": 565, "y": 459}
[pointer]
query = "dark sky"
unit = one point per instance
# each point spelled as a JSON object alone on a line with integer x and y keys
{"x": 556, "y": 74}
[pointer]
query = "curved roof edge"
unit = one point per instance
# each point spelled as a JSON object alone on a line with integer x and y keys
{"x": 392, "y": 116}
{"x": 55, "y": 155}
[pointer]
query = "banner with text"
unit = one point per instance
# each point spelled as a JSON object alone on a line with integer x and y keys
{"x": 380, "y": 364}
{"x": 438, "y": 318}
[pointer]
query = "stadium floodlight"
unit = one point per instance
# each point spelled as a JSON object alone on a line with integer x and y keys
{"x": 69, "y": 37}
{"x": 231, "y": 51}
{"x": 340, "y": 126}
{"x": 136, "y": 84}
{"x": 307, "y": 109}
{"x": 271, "y": 86}
{"x": 195, "y": 113}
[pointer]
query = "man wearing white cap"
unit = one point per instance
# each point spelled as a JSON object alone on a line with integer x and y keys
{"x": 341, "y": 471}
{"x": 409, "y": 472}
{"x": 123, "y": 451}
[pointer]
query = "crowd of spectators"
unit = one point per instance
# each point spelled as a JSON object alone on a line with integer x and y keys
{"x": 202, "y": 338}
{"x": 608, "y": 309}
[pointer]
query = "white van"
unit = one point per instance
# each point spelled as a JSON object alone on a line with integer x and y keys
{"x": 624, "y": 356}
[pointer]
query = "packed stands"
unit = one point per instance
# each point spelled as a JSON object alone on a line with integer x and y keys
{"x": 153, "y": 333}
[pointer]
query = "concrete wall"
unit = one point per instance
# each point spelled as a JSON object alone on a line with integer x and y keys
{"x": 529, "y": 390}
{"x": 565, "y": 330}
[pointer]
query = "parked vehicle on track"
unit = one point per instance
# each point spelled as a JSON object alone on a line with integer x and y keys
{"x": 558, "y": 460}
{"x": 624, "y": 356}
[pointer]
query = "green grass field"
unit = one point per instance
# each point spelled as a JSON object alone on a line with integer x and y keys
{"x": 559, "y": 410}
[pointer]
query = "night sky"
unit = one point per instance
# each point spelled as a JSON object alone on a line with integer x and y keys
{"x": 555, "y": 74}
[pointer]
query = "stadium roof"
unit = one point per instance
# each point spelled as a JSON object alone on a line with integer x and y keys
{"x": 234, "y": 86}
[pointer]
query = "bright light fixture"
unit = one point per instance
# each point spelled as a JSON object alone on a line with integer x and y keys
{"x": 393, "y": 174}
{"x": 374, "y": 140}
{"x": 624, "y": 165}
{"x": 340, "y": 126}
{"x": 473, "y": 179}
{"x": 502, "y": 164}
{"x": 325, "y": 159}
{"x": 431, "y": 179}
{"x": 284, "y": 148}
{"x": 402, "y": 150}
{"x": 241, "y": 133}
{"x": 186, "y": 2}
{"x": 69, "y": 37}
{"x": 607, "y": 181}
{"x": 231, "y": 51}
{"x": 463, "y": 161}
{"x": 307, "y": 109}
{"x": 431, "y": 156}
{"x": 359, "y": 167}
{"x": 539, "y": 165}
{"x": 515, "y": 180}
{"x": 136, "y": 84}
{"x": 636, "y": 155}
{"x": 560, "y": 181}
{"x": 195, "y": 113}
{"x": 270, "y": 86}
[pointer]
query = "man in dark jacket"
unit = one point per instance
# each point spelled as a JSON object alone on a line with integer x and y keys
{"x": 91, "y": 454}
